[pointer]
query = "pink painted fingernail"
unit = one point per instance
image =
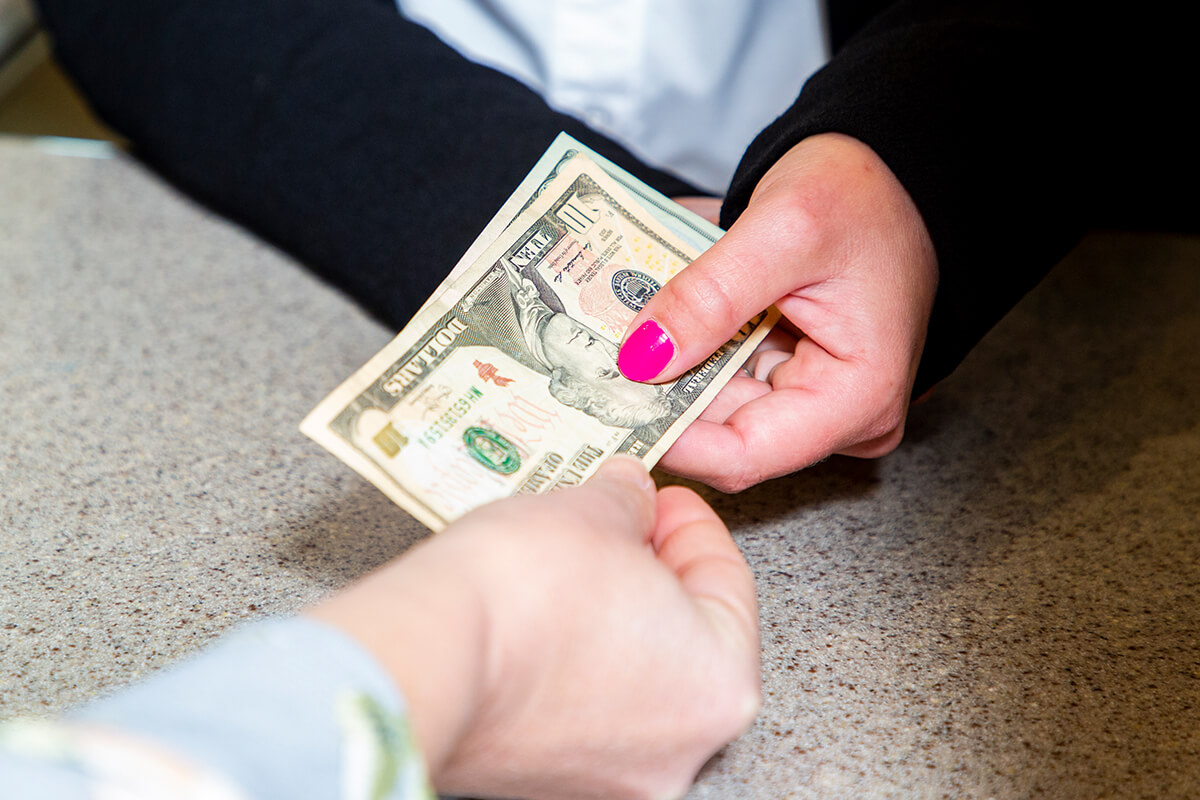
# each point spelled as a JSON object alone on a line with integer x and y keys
{"x": 646, "y": 352}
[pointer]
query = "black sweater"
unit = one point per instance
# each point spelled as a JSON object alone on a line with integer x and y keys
{"x": 368, "y": 148}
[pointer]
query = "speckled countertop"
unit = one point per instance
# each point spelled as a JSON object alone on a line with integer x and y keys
{"x": 1006, "y": 607}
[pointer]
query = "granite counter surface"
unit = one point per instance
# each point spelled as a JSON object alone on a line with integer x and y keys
{"x": 1006, "y": 607}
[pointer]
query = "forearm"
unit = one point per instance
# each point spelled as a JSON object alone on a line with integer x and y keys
{"x": 279, "y": 709}
{"x": 427, "y": 628}
{"x": 990, "y": 115}
{"x": 341, "y": 131}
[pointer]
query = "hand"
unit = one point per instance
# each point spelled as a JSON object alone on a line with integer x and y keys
{"x": 835, "y": 242}
{"x": 600, "y": 641}
{"x": 702, "y": 206}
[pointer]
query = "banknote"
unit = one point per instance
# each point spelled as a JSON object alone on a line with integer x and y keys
{"x": 506, "y": 381}
{"x": 696, "y": 231}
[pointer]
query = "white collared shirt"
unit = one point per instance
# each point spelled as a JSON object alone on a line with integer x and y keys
{"x": 684, "y": 84}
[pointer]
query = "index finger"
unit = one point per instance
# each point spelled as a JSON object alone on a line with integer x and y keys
{"x": 761, "y": 259}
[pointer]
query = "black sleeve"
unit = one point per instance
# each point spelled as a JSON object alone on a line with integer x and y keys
{"x": 1015, "y": 127}
{"x": 343, "y": 132}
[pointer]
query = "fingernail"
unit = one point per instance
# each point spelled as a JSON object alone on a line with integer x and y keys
{"x": 646, "y": 352}
{"x": 627, "y": 468}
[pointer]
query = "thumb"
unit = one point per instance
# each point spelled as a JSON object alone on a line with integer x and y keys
{"x": 702, "y": 307}
{"x": 620, "y": 496}
{"x": 619, "y": 499}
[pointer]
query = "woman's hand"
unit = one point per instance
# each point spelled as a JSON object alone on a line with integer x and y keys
{"x": 600, "y": 641}
{"x": 835, "y": 242}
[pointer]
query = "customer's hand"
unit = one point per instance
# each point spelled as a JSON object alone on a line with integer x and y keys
{"x": 835, "y": 242}
{"x": 600, "y": 641}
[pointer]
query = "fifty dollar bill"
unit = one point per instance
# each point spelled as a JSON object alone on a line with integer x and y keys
{"x": 506, "y": 381}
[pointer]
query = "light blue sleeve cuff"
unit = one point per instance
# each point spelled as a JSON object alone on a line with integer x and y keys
{"x": 289, "y": 708}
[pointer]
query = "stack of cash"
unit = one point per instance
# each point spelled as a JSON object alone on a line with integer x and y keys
{"x": 506, "y": 381}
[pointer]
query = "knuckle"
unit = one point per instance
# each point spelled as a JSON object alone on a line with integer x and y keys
{"x": 886, "y": 415}
{"x": 741, "y": 483}
{"x": 624, "y": 508}
{"x": 891, "y": 418}
{"x": 735, "y": 482}
{"x": 723, "y": 483}
{"x": 749, "y": 707}
{"x": 882, "y": 434}
{"x": 802, "y": 218}
{"x": 883, "y": 445}
{"x": 740, "y": 708}
{"x": 707, "y": 300}
{"x": 669, "y": 782}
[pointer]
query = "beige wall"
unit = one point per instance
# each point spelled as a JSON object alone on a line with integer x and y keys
{"x": 36, "y": 98}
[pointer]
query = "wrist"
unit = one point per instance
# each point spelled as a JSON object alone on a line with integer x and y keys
{"x": 427, "y": 628}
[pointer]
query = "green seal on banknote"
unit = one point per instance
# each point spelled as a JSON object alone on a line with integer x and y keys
{"x": 492, "y": 450}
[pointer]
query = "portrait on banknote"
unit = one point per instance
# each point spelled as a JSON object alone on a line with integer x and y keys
{"x": 580, "y": 362}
